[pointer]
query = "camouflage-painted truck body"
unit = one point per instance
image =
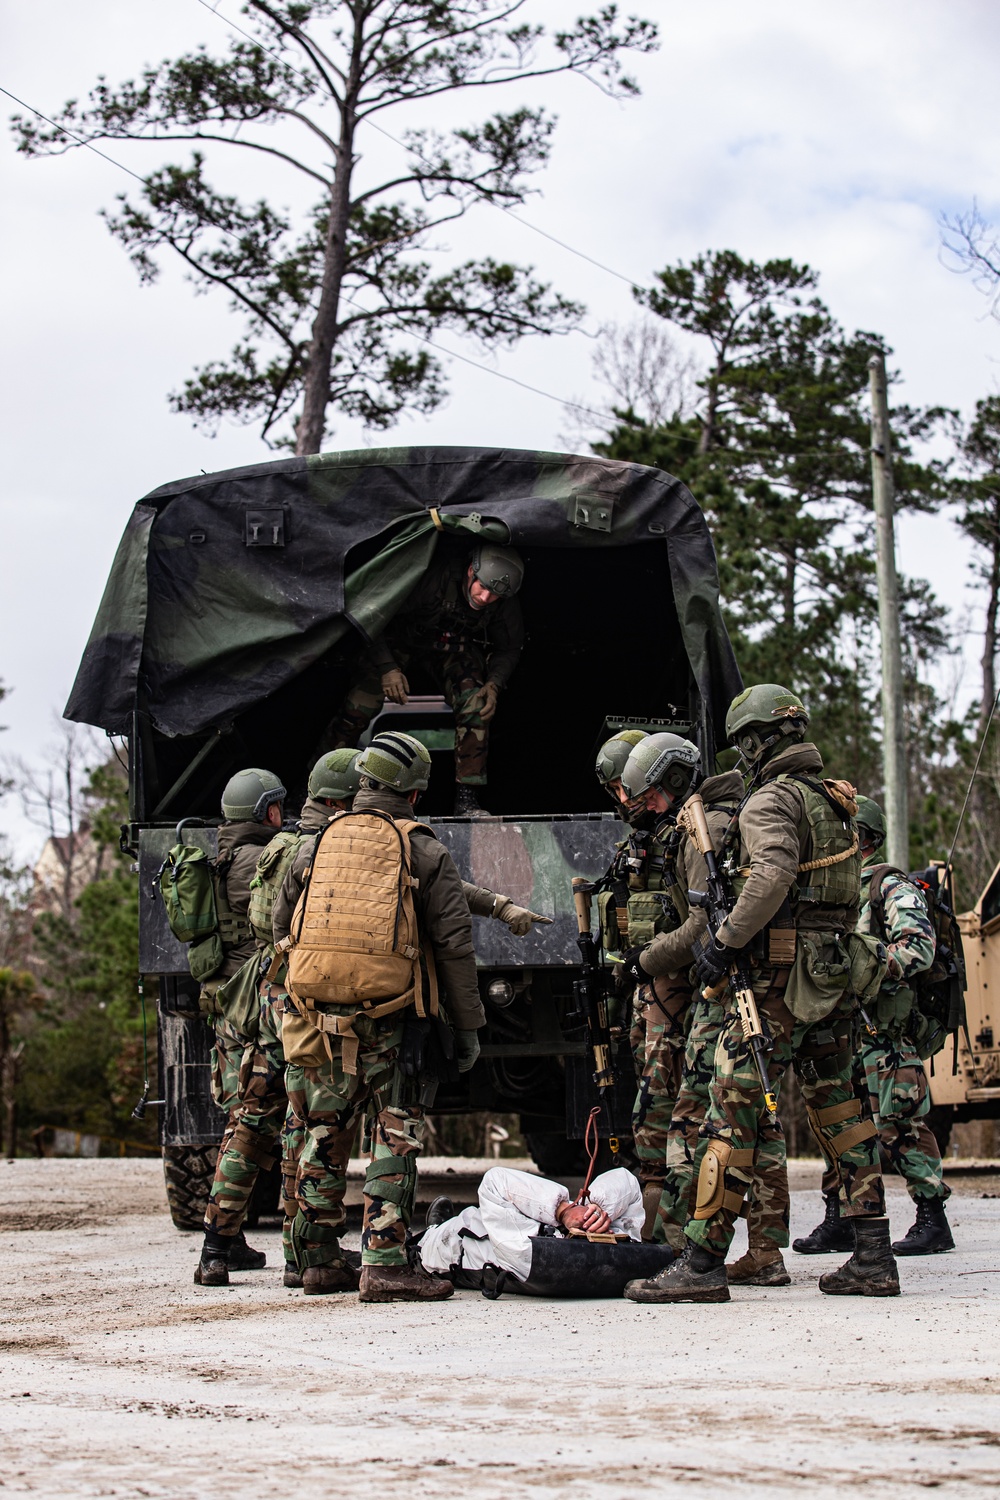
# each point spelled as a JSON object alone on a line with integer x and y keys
{"x": 231, "y": 625}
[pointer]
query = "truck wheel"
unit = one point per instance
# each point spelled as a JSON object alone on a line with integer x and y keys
{"x": 188, "y": 1172}
{"x": 940, "y": 1118}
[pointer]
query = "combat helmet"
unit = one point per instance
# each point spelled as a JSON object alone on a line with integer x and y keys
{"x": 870, "y": 816}
{"x": 614, "y": 753}
{"x": 662, "y": 760}
{"x": 249, "y": 794}
{"x": 335, "y": 776}
{"x": 396, "y": 760}
{"x": 499, "y": 569}
{"x": 761, "y": 716}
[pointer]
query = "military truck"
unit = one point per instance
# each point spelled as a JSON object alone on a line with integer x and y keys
{"x": 965, "y": 1084}
{"x": 232, "y": 620}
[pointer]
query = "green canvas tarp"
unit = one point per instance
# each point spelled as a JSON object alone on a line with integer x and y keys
{"x": 228, "y": 586}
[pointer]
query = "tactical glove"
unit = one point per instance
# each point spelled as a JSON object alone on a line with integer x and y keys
{"x": 466, "y": 1049}
{"x": 395, "y": 686}
{"x": 486, "y": 701}
{"x": 630, "y": 972}
{"x": 711, "y": 959}
{"x": 518, "y": 918}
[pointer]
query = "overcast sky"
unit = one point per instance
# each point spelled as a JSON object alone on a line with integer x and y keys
{"x": 835, "y": 134}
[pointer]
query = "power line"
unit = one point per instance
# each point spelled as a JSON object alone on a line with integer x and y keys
{"x": 409, "y": 333}
{"x": 79, "y": 139}
{"x": 628, "y": 280}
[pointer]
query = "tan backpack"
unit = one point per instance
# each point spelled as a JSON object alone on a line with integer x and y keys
{"x": 354, "y": 941}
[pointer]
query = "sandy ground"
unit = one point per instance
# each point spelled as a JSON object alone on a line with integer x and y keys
{"x": 119, "y": 1377}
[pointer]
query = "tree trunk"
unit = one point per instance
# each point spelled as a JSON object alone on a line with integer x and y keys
{"x": 312, "y": 423}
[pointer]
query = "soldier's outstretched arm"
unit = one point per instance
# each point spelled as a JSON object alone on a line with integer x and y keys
{"x": 445, "y": 923}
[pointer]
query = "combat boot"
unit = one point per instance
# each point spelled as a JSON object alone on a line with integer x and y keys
{"x": 762, "y": 1266}
{"x": 337, "y": 1276}
{"x": 440, "y": 1211}
{"x": 871, "y": 1270}
{"x": 831, "y": 1236}
{"x": 243, "y": 1258}
{"x": 292, "y": 1276}
{"x": 402, "y": 1284}
{"x": 696, "y": 1276}
{"x": 466, "y": 804}
{"x": 929, "y": 1234}
{"x": 213, "y": 1263}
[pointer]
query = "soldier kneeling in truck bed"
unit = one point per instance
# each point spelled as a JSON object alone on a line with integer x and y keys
{"x": 462, "y": 628}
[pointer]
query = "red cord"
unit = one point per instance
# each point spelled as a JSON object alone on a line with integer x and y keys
{"x": 592, "y": 1144}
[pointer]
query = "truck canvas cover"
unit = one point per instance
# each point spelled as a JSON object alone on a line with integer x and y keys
{"x": 229, "y": 588}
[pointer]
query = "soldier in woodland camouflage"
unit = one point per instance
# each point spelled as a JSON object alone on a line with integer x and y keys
{"x": 462, "y": 628}
{"x": 795, "y": 866}
{"x": 661, "y": 782}
{"x": 252, "y": 805}
{"x": 321, "y": 1137}
{"x": 888, "y": 1064}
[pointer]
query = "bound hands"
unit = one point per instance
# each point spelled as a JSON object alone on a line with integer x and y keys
{"x": 487, "y": 696}
{"x": 585, "y": 1216}
{"x": 395, "y": 686}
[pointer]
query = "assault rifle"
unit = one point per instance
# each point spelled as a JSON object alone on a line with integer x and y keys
{"x": 591, "y": 997}
{"x": 719, "y": 901}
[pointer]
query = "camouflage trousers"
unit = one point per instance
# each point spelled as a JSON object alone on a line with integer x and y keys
{"x": 893, "y": 1077}
{"x": 823, "y": 1057}
{"x": 458, "y": 674}
{"x": 250, "y": 1076}
{"x": 330, "y": 1103}
{"x": 657, "y": 1041}
{"x": 767, "y": 1219}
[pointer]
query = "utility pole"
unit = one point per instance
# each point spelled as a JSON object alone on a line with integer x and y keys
{"x": 894, "y": 756}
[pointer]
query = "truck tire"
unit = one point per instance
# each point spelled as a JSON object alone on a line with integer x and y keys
{"x": 188, "y": 1172}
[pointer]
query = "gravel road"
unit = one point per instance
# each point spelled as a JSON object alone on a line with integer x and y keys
{"x": 120, "y": 1377}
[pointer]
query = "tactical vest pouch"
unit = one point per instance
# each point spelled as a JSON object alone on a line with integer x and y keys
{"x": 205, "y": 957}
{"x": 188, "y": 892}
{"x": 272, "y": 867}
{"x": 820, "y": 977}
{"x": 646, "y": 917}
{"x": 869, "y": 963}
{"x": 612, "y": 938}
{"x": 238, "y": 999}
{"x": 303, "y": 1043}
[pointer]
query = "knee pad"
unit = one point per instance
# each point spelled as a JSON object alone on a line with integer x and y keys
{"x": 377, "y": 1184}
{"x": 836, "y": 1143}
{"x": 713, "y": 1194}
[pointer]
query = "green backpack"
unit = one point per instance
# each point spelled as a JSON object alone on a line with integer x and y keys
{"x": 187, "y": 881}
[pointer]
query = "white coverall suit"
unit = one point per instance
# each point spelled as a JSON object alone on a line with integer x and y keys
{"x": 512, "y": 1207}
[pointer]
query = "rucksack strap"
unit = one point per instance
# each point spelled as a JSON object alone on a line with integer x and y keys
{"x": 876, "y": 891}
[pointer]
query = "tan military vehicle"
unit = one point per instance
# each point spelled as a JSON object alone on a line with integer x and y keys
{"x": 965, "y": 1080}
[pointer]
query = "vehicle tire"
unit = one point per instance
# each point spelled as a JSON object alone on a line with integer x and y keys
{"x": 555, "y": 1156}
{"x": 188, "y": 1172}
{"x": 940, "y": 1118}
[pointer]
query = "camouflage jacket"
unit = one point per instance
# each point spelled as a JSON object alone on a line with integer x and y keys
{"x": 908, "y": 931}
{"x": 438, "y": 617}
{"x": 244, "y": 841}
{"x": 774, "y": 839}
{"x": 670, "y": 951}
